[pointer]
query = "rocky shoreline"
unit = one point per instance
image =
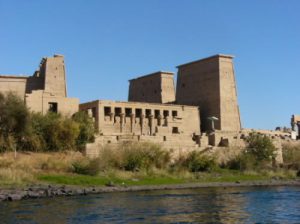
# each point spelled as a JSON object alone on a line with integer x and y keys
{"x": 50, "y": 191}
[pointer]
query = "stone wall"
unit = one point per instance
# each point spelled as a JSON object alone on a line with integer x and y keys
{"x": 15, "y": 84}
{"x": 142, "y": 118}
{"x": 45, "y": 90}
{"x": 39, "y": 101}
{"x": 210, "y": 84}
{"x": 157, "y": 87}
{"x": 55, "y": 77}
{"x": 173, "y": 126}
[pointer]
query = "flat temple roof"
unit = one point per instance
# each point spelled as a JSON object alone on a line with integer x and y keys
{"x": 203, "y": 59}
{"x": 152, "y": 74}
{"x": 13, "y": 76}
{"x": 137, "y": 103}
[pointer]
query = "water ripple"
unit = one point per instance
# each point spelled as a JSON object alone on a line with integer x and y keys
{"x": 209, "y": 205}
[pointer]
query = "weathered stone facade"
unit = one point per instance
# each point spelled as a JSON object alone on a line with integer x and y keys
{"x": 157, "y": 87}
{"x": 295, "y": 123}
{"x": 210, "y": 84}
{"x": 206, "y": 89}
{"x": 174, "y": 126}
{"x": 45, "y": 90}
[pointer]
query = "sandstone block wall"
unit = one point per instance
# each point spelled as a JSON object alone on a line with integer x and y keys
{"x": 45, "y": 89}
{"x": 157, "y": 87}
{"x": 114, "y": 117}
{"x": 15, "y": 84}
{"x": 55, "y": 78}
{"x": 210, "y": 84}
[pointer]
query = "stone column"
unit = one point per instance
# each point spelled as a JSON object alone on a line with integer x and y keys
{"x": 112, "y": 117}
{"x": 159, "y": 118}
{"x": 166, "y": 121}
{"x": 142, "y": 117}
{"x": 151, "y": 124}
{"x": 122, "y": 121}
{"x": 132, "y": 122}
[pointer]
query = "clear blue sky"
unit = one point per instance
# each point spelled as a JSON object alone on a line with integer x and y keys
{"x": 106, "y": 43}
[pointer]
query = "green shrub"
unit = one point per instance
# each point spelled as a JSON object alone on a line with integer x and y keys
{"x": 133, "y": 160}
{"x": 137, "y": 156}
{"x": 291, "y": 155}
{"x": 197, "y": 162}
{"x": 22, "y": 130}
{"x": 53, "y": 132}
{"x": 86, "y": 129}
{"x": 87, "y": 167}
{"x": 133, "y": 156}
{"x": 14, "y": 121}
{"x": 244, "y": 161}
{"x": 258, "y": 154}
{"x": 261, "y": 147}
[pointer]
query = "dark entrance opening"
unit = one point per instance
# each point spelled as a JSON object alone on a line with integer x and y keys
{"x": 52, "y": 107}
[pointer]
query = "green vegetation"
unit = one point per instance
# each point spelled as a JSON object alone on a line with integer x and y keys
{"x": 197, "y": 162}
{"x": 84, "y": 180}
{"x": 260, "y": 147}
{"x": 291, "y": 155}
{"x": 50, "y": 151}
{"x": 14, "y": 120}
{"x": 134, "y": 157}
{"x": 25, "y": 131}
{"x": 258, "y": 155}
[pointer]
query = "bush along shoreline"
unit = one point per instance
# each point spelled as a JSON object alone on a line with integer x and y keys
{"x": 41, "y": 150}
{"x": 22, "y": 130}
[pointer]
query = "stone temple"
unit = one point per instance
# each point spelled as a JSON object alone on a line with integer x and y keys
{"x": 45, "y": 90}
{"x": 201, "y": 111}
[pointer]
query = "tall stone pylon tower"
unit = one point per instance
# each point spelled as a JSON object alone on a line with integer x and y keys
{"x": 210, "y": 84}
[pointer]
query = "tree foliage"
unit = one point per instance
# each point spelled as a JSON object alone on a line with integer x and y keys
{"x": 14, "y": 120}
{"x": 261, "y": 147}
{"x": 197, "y": 162}
{"x": 258, "y": 154}
{"x": 86, "y": 128}
{"x": 23, "y": 130}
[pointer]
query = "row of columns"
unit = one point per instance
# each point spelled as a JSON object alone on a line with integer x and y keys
{"x": 160, "y": 121}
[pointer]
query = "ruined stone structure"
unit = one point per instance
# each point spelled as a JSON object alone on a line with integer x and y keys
{"x": 157, "y": 87}
{"x": 174, "y": 126}
{"x": 206, "y": 95}
{"x": 295, "y": 123}
{"x": 44, "y": 91}
{"x": 210, "y": 84}
{"x": 205, "y": 88}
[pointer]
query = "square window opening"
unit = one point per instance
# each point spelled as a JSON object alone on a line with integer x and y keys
{"x": 148, "y": 113}
{"x": 138, "y": 112}
{"x": 128, "y": 112}
{"x": 52, "y": 107}
{"x": 107, "y": 111}
{"x": 175, "y": 130}
{"x": 118, "y": 111}
{"x": 174, "y": 113}
{"x": 156, "y": 113}
{"x": 166, "y": 113}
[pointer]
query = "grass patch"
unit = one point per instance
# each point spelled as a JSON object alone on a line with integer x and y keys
{"x": 70, "y": 179}
{"x": 139, "y": 179}
{"x": 84, "y": 180}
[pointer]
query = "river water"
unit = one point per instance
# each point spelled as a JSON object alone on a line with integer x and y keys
{"x": 208, "y": 205}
